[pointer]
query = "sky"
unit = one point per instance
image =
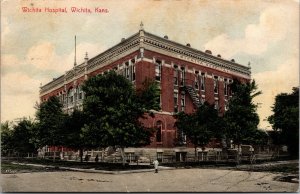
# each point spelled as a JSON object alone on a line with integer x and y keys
{"x": 39, "y": 46}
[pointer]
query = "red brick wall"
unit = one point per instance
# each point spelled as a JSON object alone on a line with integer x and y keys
{"x": 189, "y": 65}
{"x": 209, "y": 90}
{"x": 167, "y": 89}
{"x": 145, "y": 69}
{"x": 168, "y": 131}
{"x": 53, "y": 93}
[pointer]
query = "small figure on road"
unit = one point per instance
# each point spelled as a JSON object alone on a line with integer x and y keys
{"x": 97, "y": 158}
{"x": 156, "y": 165}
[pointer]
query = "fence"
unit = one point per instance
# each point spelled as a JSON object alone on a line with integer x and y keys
{"x": 166, "y": 156}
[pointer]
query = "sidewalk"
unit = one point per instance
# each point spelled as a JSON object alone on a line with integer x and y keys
{"x": 92, "y": 170}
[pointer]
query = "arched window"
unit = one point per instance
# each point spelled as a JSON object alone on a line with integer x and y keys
{"x": 158, "y": 131}
{"x": 71, "y": 96}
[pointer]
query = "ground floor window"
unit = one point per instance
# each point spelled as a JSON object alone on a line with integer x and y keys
{"x": 158, "y": 131}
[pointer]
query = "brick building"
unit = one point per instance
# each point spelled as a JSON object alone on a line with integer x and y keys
{"x": 187, "y": 77}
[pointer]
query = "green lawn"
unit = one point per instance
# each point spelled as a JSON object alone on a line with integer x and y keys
{"x": 8, "y": 168}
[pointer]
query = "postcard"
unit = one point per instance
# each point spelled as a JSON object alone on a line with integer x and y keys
{"x": 194, "y": 51}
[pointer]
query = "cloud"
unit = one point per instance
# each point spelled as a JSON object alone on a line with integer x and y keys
{"x": 274, "y": 25}
{"x": 20, "y": 88}
{"x": 19, "y": 92}
{"x": 5, "y": 28}
{"x": 10, "y": 60}
{"x": 280, "y": 80}
{"x": 44, "y": 56}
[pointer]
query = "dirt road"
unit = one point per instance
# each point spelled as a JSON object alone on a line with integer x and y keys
{"x": 179, "y": 180}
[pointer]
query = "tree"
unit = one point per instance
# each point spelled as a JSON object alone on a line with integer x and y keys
{"x": 148, "y": 95}
{"x": 285, "y": 120}
{"x": 241, "y": 119}
{"x": 256, "y": 137}
{"x": 6, "y": 138}
{"x": 113, "y": 108}
{"x": 201, "y": 126}
{"x": 17, "y": 137}
{"x": 73, "y": 134}
{"x": 22, "y": 136}
{"x": 50, "y": 121}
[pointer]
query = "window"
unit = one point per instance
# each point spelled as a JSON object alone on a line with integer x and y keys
{"x": 202, "y": 82}
{"x": 65, "y": 101}
{"x": 75, "y": 94}
{"x": 225, "y": 87}
{"x": 202, "y": 99}
{"x": 158, "y": 131}
{"x": 80, "y": 93}
{"x": 127, "y": 70}
{"x": 123, "y": 70}
{"x": 182, "y": 101}
{"x": 117, "y": 69}
{"x": 181, "y": 137}
{"x": 176, "y": 75}
{"x": 196, "y": 83}
{"x": 175, "y": 101}
{"x": 216, "y": 84}
{"x": 160, "y": 101}
{"x": 226, "y": 105}
{"x": 158, "y": 70}
{"x": 71, "y": 96}
{"x": 159, "y": 156}
{"x": 182, "y": 76}
{"x": 216, "y": 104}
{"x": 60, "y": 97}
{"x": 133, "y": 73}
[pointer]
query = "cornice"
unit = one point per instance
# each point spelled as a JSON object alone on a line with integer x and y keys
{"x": 184, "y": 52}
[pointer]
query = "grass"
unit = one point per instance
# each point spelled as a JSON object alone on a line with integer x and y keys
{"x": 9, "y": 168}
{"x": 292, "y": 168}
{"x": 283, "y": 168}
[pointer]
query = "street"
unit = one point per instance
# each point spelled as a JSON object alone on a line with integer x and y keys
{"x": 179, "y": 180}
